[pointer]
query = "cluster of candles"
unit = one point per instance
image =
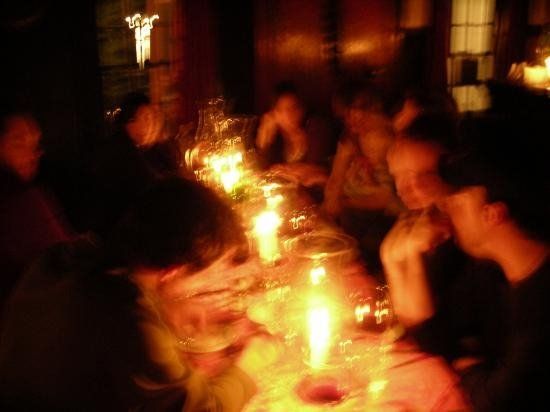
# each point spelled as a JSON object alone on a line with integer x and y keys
{"x": 226, "y": 170}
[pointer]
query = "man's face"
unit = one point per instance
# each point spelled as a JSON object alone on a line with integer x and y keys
{"x": 414, "y": 167}
{"x": 467, "y": 210}
{"x": 19, "y": 147}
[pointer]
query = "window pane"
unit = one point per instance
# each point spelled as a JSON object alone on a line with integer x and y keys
{"x": 459, "y": 12}
{"x": 458, "y": 39}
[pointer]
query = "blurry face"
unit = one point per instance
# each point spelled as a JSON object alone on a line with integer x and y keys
{"x": 467, "y": 210}
{"x": 19, "y": 146}
{"x": 414, "y": 167}
{"x": 289, "y": 111}
{"x": 405, "y": 116}
{"x": 144, "y": 128}
{"x": 193, "y": 301}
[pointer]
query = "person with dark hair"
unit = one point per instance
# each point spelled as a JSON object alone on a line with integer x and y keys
{"x": 127, "y": 162}
{"x": 492, "y": 209}
{"x": 359, "y": 192}
{"x": 295, "y": 142}
{"x": 85, "y": 329}
{"x": 30, "y": 219}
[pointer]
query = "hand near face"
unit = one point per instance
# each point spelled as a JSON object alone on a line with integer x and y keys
{"x": 414, "y": 235}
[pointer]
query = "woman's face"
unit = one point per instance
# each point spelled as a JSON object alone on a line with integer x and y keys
{"x": 289, "y": 111}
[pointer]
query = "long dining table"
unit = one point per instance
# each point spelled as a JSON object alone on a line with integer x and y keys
{"x": 370, "y": 370}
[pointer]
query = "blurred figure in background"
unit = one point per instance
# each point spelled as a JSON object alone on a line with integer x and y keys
{"x": 143, "y": 123}
{"x": 292, "y": 141}
{"x": 30, "y": 219}
{"x": 122, "y": 166}
{"x": 84, "y": 329}
{"x": 359, "y": 192}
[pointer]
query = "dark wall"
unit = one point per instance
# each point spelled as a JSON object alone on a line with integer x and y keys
{"x": 236, "y": 52}
{"x": 50, "y": 68}
{"x": 50, "y": 64}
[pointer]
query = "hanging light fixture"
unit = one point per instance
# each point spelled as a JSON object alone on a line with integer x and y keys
{"x": 142, "y": 26}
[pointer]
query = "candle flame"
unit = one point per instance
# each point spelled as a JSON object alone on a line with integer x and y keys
{"x": 317, "y": 274}
{"x": 319, "y": 335}
{"x": 227, "y": 169}
{"x": 267, "y": 222}
{"x": 265, "y": 229}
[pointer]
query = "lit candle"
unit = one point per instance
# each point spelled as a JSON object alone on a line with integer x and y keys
{"x": 265, "y": 229}
{"x": 227, "y": 169}
{"x": 319, "y": 336}
{"x": 317, "y": 274}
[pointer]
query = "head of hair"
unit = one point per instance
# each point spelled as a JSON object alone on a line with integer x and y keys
{"x": 503, "y": 157}
{"x": 435, "y": 128}
{"x": 130, "y": 105}
{"x": 176, "y": 222}
{"x": 432, "y": 101}
{"x": 359, "y": 92}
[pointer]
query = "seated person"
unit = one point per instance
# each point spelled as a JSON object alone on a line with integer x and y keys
{"x": 296, "y": 144}
{"x": 122, "y": 166}
{"x": 83, "y": 330}
{"x": 30, "y": 219}
{"x": 143, "y": 123}
{"x": 359, "y": 192}
{"x": 496, "y": 213}
{"x": 422, "y": 238}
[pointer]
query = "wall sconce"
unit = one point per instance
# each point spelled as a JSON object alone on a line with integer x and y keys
{"x": 142, "y": 26}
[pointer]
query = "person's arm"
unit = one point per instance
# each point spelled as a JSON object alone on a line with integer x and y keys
{"x": 402, "y": 254}
{"x": 333, "y": 188}
{"x": 267, "y": 132}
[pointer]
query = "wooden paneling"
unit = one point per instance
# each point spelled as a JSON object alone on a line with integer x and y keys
{"x": 290, "y": 45}
{"x": 368, "y": 34}
{"x": 315, "y": 42}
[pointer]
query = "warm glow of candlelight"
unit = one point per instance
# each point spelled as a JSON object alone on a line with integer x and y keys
{"x": 227, "y": 169}
{"x": 535, "y": 75}
{"x": 319, "y": 335}
{"x": 266, "y": 225}
{"x": 317, "y": 274}
{"x": 268, "y": 188}
{"x": 547, "y": 63}
{"x": 274, "y": 201}
{"x": 361, "y": 311}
